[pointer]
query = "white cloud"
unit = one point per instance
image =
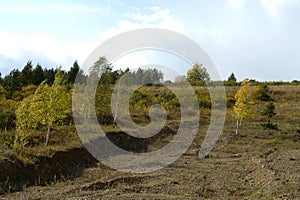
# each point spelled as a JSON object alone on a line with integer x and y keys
{"x": 158, "y": 18}
{"x": 44, "y": 8}
{"x": 273, "y": 7}
{"x": 9, "y": 44}
{"x": 133, "y": 60}
{"x": 216, "y": 35}
{"x": 163, "y": 18}
{"x": 20, "y": 46}
{"x": 170, "y": 64}
{"x": 17, "y": 46}
{"x": 236, "y": 5}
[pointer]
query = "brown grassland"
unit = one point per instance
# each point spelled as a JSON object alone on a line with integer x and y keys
{"x": 258, "y": 163}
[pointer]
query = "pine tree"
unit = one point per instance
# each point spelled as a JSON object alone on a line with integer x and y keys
{"x": 26, "y": 74}
{"x": 269, "y": 112}
{"x": 12, "y": 82}
{"x": 74, "y": 72}
{"x": 262, "y": 93}
{"x": 49, "y": 75}
{"x": 38, "y": 75}
{"x": 232, "y": 77}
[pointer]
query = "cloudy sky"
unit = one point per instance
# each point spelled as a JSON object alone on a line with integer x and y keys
{"x": 253, "y": 38}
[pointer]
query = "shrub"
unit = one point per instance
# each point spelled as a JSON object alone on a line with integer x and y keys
{"x": 7, "y": 118}
{"x": 269, "y": 125}
{"x": 262, "y": 93}
{"x": 8, "y": 138}
{"x": 230, "y": 101}
{"x": 269, "y": 112}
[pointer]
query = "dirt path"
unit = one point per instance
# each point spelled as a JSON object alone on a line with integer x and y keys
{"x": 227, "y": 176}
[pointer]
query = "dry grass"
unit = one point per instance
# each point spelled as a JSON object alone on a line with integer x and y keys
{"x": 257, "y": 164}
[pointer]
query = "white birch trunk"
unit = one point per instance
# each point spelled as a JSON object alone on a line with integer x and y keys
{"x": 47, "y": 137}
{"x": 237, "y": 127}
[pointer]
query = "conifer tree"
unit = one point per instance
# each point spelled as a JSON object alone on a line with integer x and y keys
{"x": 269, "y": 112}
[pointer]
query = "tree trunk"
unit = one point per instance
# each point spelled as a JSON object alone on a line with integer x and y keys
{"x": 47, "y": 137}
{"x": 237, "y": 127}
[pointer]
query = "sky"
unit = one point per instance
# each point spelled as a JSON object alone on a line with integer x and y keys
{"x": 256, "y": 39}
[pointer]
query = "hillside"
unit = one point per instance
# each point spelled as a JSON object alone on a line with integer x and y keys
{"x": 258, "y": 163}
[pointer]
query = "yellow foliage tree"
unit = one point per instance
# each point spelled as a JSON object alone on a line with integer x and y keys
{"x": 48, "y": 105}
{"x": 244, "y": 107}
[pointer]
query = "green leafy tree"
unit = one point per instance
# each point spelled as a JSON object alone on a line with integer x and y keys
{"x": 7, "y": 117}
{"x": 198, "y": 73}
{"x": 2, "y": 91}
{"x": 244, "y": 107}
{"x": 25, "y": 120}
{"x": 48, "y": 105}
{"x": 103, "y": 91}
{"x": 7, "y": 111}
{"x": 98, "y": 101}
{"x": 143, "y": 76}
{"x": 20, "y": 141}
{"x": 28, "y": 90}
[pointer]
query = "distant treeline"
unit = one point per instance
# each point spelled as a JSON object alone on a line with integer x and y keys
{"x": 16, "y": 80}
{"x": 21, "y": 86}
{"x": 29, "y": 75}
{"x": 253, "y": 83}
{"x": 30, "y": 95}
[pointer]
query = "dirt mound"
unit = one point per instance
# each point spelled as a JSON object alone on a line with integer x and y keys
{"x": 15, "y": 174}
{"x": 140, "y": 145}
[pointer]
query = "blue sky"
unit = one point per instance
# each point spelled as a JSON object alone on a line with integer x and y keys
{"x": 253, "y": 38}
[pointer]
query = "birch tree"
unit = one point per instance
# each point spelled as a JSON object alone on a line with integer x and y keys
{"x": 48, "y": 105}
{"x": 244, "y": 107}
